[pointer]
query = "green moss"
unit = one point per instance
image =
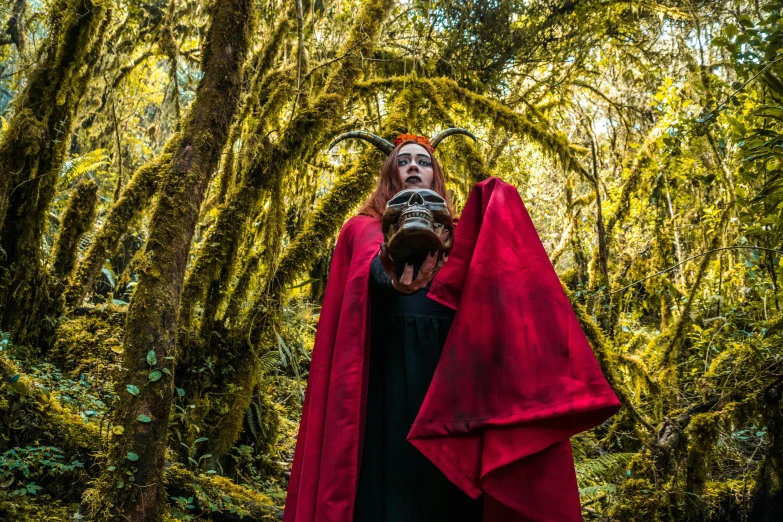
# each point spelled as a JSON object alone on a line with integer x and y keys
{"x": 728, "y": 500}
{"x": 37, "y": 415}
{"x": 677, "y": 346}
{"x": 151, "y": 321}
{"x": 212, "y": 493}
{"x": 90, "y": 344}
{"x": 38, "y": 508}
{"x": 75, "y": 221}
{"x": 445, "y": 92}
{"x": 269, "y": 163}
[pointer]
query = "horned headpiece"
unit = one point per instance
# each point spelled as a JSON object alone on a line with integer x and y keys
{"x": 386, "y": 147}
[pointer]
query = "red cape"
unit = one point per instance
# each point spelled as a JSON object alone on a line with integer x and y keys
{"x": 515, "y": 380}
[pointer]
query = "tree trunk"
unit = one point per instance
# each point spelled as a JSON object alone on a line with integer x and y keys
{"x": 137, "y": 455}
{"x": 768, "y": 495}
{"x": 33, "y": 148}
{"x": 15, "y": 27}
{"x": 76, "y": 219}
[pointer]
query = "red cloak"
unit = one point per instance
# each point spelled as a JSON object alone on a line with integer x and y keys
{"x": 515, "y": 380}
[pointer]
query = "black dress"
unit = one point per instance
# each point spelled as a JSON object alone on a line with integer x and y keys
{"x": 396, "y": 482}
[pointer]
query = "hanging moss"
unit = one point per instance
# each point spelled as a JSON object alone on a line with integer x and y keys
{"x": 676, "y": 345}
{"x": 239, "y": 292}
{"x": 482, "y": 108}
{"x": 261, "y": 64}
{"x": 271, "y": 161}
{"x": 257, "y": 329}
{"x": 332, "y": 211}
{"x": 465, "y": 150}
{"x": 76, "y": 219}
{"x": 348, "y": 190}
{"x": 640, "y": 162}
{"x": 606, "y": 357}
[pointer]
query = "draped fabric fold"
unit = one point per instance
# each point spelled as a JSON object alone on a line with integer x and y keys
{"x": 516, "y": 377}
{"x": 515, "y": 380}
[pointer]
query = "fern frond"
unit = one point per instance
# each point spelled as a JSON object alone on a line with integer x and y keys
{"x": 594, "y": 491}
{"x": 74, "y": 167}
{"x": 603, "y": 469}
{"x": 269, "y": 361}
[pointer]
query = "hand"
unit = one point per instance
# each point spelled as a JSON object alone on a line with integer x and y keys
{"x": 406, "y": 284}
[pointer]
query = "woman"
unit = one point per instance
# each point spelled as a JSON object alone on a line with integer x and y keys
{"x": 390, "y": 425}
{"x": 407, "y": 331}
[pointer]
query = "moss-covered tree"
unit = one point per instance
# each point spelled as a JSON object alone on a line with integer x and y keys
{"x": 33, "y": 148}
{"x": 149, "y": 353}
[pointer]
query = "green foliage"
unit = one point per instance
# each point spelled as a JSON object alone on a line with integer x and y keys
{"x": 21, "y": 468}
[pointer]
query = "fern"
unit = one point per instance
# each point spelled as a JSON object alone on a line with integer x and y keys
{"x": 603, "y": 469}
{"x": 595, "y": 491}
{"x": 269, "y": 361}
{"x": 77, "y": 166}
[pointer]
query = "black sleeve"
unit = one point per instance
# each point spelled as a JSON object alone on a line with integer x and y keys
{"x": 378, "y": 275}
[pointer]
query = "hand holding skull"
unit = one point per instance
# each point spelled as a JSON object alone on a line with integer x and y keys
{"x": 417, "y": 227}
{"x": 405, "y": 283}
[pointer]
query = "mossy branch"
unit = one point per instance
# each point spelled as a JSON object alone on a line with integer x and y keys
{"x": 271, "y": 161}
{"x": 133, "y": 201}
{"x": 606, "y": 359}
{"x": 331, "y": 213}
{"x": 75, "y": 221}
{"x": 484, "y": 109}
{"x": 675, "y": 338}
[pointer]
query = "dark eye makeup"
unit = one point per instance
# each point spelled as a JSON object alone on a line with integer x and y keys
{"x": 424, "y": 162}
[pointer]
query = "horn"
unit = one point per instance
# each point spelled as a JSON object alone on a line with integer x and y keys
{"x": 383, "y": 145}
{"x": 450, "y": 132}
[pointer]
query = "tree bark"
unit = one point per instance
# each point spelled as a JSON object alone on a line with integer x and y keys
{"x": 768, "y": 494}
{"x": 15, "y": 27}
{"x": 148, "y": 359}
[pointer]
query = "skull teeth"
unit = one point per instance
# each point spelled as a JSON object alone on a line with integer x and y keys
{"x": 423, "y": 214}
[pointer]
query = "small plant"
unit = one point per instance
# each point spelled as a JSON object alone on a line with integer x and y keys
{"x": 21, "y": 468}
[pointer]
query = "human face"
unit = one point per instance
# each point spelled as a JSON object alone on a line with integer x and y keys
{"x": 414, "y": 166}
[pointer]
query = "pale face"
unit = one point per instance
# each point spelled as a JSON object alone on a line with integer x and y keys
{"x": 414, "y": 167}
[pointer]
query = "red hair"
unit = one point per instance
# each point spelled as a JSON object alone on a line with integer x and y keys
{"x": 390, "y": 184}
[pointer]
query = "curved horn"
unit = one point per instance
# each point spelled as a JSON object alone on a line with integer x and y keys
{"x": 450, "y": 132}
{"x": 383, "y": 145}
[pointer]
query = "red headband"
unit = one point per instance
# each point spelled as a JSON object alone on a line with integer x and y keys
{"x": 421, "y": 140}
